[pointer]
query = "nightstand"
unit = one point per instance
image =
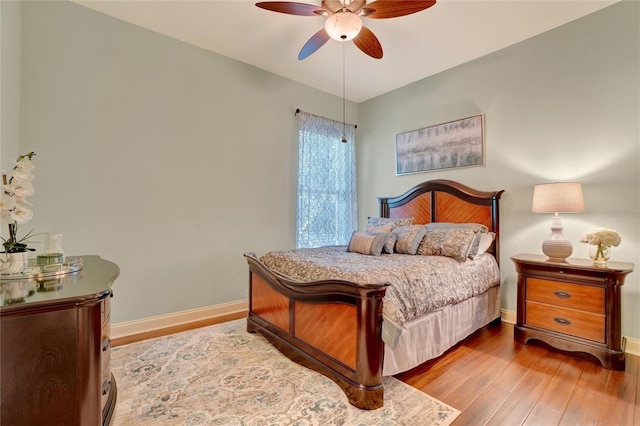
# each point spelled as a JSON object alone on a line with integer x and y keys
{"x": 572, "y": 306}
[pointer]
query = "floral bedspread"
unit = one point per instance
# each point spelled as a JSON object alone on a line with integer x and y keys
{"x": 419, "y": 284}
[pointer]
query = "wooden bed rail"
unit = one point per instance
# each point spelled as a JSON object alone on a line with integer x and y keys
{"x": 330, "y": 326}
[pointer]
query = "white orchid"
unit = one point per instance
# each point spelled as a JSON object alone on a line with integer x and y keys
{"x": 22, "y": 212}
{"x": 14, "y": 208}
{"x": 20, "y": 188}
{"x": 6, "y": 202}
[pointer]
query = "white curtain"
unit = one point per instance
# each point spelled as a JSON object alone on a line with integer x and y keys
{"x": 327, "y": 198}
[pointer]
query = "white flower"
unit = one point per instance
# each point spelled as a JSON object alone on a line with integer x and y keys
{"x": 20, "y": 188}
{"x": 605, "y": 236}
{"x": 5, "y": 215}
{"x": 14, "y": 209}
{"x": 23, "y": 173}
{"x": 25, "y": 163}
{"x": 22, "y": 213}
{"x": 6, "y": 202}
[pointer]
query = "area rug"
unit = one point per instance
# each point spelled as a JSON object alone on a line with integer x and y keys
{"x": 223, "y": 375}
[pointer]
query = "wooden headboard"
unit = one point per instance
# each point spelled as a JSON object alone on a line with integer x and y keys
{"x": 443, "y": 200}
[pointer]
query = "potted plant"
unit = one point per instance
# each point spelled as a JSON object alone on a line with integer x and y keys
{"x": 15, "y": 210}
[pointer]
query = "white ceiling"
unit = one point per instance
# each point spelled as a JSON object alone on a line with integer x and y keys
{"x": 416, "y": 46}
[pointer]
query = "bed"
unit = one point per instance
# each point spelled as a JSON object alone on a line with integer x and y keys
{"x": 340, "y": 324}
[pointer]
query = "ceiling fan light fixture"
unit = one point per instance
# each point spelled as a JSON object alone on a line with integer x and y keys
{"x": 343, "y": 25}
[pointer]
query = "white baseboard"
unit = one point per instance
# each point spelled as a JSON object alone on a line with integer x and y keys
{"x": 631, "y": 346}
{"x": 130, "y": 328}
{"x": 509, "y": 316}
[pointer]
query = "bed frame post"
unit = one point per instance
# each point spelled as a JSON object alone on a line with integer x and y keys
{"x": 370, "y": 352}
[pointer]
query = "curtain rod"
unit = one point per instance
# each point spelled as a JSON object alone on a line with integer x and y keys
{"x": 355, "y": 126}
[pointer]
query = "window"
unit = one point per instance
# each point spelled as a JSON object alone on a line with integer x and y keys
{"x": 327, "y": 198}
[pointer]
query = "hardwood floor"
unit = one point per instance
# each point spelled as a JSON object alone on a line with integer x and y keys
{"x": 494, "y": 380}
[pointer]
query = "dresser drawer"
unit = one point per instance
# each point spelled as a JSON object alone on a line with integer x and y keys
{"x": 586, "y": 325}
{"x": 105, "y": 358}
{"x": 567, "y": 295}
{"x": 105, "y": 310}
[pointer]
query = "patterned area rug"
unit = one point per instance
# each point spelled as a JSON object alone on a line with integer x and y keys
{"x": 222, "y": 375}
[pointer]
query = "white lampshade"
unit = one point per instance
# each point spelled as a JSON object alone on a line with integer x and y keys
{"x": 559, "y": 197}
{"x": 343, "y": 25}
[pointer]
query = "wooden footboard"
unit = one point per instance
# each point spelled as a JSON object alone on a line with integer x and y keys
{"x": 331, "y": 326}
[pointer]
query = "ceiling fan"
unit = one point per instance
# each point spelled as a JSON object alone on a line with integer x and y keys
{"x": 344, "y": 20}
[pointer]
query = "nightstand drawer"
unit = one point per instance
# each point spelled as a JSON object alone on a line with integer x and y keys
{"x": 576, "y": 296}
{"x": 582, "y": 324}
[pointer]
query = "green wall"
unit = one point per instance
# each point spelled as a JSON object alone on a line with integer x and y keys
{"x": 562, "y": 106}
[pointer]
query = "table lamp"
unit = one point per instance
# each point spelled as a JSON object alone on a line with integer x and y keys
{"x": 558, "y": 197}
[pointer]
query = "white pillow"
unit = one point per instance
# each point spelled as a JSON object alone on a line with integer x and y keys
{"x": 486, "y": 240}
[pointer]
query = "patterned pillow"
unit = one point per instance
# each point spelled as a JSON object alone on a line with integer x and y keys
{"x": 395, "y": 222}
{"x": 373, "y": 229}
{"x": 456, "y": 243}
{"x": 385, "y": 224}
{"x": 390, "y": 243}
{"x": 409, "y": 238}
{"x": 367, "y": 244}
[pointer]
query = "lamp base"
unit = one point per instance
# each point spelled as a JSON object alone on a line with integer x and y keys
{"x": 557, "y": 250}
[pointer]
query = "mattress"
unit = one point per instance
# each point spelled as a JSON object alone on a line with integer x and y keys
{"x": 419, "y": 285}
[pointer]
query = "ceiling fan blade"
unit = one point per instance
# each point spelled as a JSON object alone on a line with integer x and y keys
{"x": 313, "y": 44}
{"x": 394, "y": 8}
{"x": 291, "y": 8}
{"x": 356, "y": 5}
{"x": 368, "y": 43}
{"x": 332, "y": 6}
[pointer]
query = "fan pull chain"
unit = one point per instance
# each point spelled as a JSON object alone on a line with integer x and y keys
{"x": 344, "y": 122}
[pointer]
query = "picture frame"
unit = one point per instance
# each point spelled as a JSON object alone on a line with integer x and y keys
{"x": 458, "y": 143}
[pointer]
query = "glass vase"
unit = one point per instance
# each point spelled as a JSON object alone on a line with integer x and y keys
{"x": 53, "y": 245}
{"x": 599, "y": 254}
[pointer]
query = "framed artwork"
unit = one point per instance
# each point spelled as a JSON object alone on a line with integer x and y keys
{"x": 458, "y": 143}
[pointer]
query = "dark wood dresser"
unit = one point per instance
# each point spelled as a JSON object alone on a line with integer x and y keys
{"x": 573, "y": 306}
{"x": 55, "y": 347}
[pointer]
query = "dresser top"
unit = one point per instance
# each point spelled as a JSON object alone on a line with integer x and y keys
{"x": 91, "y": 282}
{"x": 571, "y": 262}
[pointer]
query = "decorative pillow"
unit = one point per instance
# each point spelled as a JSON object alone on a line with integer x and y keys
{"x": 409, "y": 238}
{"x": 484, "y": 243}
{"x": 377, "y": 225}
{"x": 390, "y": 243}
{"x": 456, "y": 243}
{"x": 477, "y": 227}
{"x": 367, "y": 244}
{"x": 379, "y": 229}
{"x": 395, "y": 222}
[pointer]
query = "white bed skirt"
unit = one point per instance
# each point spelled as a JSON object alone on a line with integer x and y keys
{"x": 428, "y": 337}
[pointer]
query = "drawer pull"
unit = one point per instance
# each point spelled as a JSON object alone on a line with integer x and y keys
{"x": 562, "y": 321}
{"x": 105, "y": 344}
{"x": 562, "y": 294}
{"x": 106, "y": 387}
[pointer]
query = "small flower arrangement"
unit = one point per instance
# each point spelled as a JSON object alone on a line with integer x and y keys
{"x": 602, "y": 237}
{"x": 14, "y": 209}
